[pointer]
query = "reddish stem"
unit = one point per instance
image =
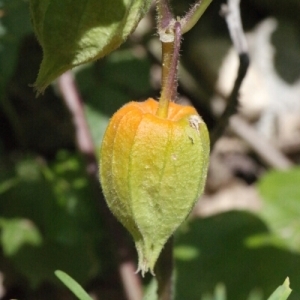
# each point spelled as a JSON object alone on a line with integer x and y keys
{"x": 126, "y": 266}
{"x": 170, "y": 59}
{"x": 164, "y": 14}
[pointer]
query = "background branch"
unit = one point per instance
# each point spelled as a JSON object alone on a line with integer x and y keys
{"x": 126, "y": 266}
{"x": 269, "y": 153}
{"x": 231, "y": 12}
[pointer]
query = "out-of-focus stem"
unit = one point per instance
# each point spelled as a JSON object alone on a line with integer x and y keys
{"x": 132, "y": 288}
{"x": 164, "y": 272}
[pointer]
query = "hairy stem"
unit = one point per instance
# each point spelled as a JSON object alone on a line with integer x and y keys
{"x": 194, "y": 14}
{"x": 164, "y": 14}
{"x": 170, "y": 58}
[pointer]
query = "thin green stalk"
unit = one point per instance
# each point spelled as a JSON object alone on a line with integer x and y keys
{"x": 164, "y": 272}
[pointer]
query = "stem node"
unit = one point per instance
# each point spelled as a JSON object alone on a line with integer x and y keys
{"x": 170, "y": 58}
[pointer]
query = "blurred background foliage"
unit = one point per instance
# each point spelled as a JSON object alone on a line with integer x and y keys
{"x": 48, "y": 213}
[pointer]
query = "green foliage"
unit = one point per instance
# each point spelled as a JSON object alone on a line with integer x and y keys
{"x": 213, "y": 250}
{"x": 48, "y": 218}
{"x": 17, "y": 232}
{"x": 56, "y": 218}
{"x": 281, "y": 209}
{"x": 14, "y": 25}
{"x": 72, "y": 285}
{"x": 105, "y": 98}
{"x": 282, "y": 292}
{"x": 219, "y": 293}
{"x": 75, "y": 32}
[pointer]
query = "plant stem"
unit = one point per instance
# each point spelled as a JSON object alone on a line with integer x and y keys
{"x": 194, "y": 14}
{"x": 170, "y": 31}
{"x": 164, "y": 14}
{"x": 167, "y": 49}
{"x": 170, "y": 58}
{"x": 164, "y": 272}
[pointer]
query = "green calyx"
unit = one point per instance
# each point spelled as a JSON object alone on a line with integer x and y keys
{"x": 152, "y": 172}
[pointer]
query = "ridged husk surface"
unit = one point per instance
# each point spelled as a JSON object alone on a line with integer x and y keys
{"x": 152, "y": 171}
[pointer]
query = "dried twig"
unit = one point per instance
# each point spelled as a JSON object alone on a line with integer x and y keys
{"x": 231, "y": 12}
{"x": 290, "y": 147}
{"x": 126, "y": 266}
{"x": 232, "y": 15}
{"x": 267, "y": 152}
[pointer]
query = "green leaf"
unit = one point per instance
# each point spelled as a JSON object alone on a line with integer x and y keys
{"x": 17, "y": 232}
{"x": 281, "y": 208}
{"x": 7, "y": 185}
{"x": 151, "y": 291}
{"x": 224, "y": 257}
{"x": 186, "y": 252}
{"x": 282, "y": 292}
{"x": 219, "y": 293}
{"x": 57, "y": 198}
{"x": 72, "y": 285}
{"x": 75, "y": 32}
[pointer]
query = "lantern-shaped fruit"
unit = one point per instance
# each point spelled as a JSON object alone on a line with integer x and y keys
{"x": 152, "y": 171}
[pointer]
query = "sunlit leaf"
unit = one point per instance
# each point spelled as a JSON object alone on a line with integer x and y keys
{"x": 281, "y": 207}
{"x": 282, "y": 292}
{"x": 186, "y": 252}
{"x": 224, "y": 257}
{"x": 15, "y": 233}
{"x": 56, "y": 197}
